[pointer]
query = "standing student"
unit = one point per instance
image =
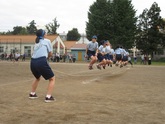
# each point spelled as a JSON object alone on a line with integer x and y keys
{"x": 149, "y": 59}
{"x": 23, "y": 57}
{"x": 129, "y": 60}
{"x": 40, "y": 67}
{"x": 91, "y": 51}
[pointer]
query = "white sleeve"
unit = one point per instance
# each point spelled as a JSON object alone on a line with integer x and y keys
{"x": 49, "y": 46}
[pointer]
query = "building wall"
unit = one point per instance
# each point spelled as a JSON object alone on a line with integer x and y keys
{"x": 159, "y": 55}
{"x": 79, "y": 54}
{"x": 24, "y": 44}
{"x": 16, "y": 47}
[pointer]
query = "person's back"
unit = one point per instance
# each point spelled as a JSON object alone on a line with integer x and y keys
{"x": 40, "y": 49}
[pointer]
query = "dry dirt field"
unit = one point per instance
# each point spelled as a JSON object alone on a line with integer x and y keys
{"x": 111, "y": 96}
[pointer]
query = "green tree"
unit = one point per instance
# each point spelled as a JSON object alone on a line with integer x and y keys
{"x": 32, "y": 27}
{"x": 19, "y": 30}
{"x": 162, "y": 33}
{"x": 97, "y": 19}
{"x": 149, "y": 38}
{"x": 52, "y": 27}
{"x": 142, "y": 31}
{"x": 112, "y": 20}
{"x": 73, "y": 35}
{"x": 124, "y": 23}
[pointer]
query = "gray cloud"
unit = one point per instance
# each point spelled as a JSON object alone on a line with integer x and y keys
{"x": 69, "y": 13}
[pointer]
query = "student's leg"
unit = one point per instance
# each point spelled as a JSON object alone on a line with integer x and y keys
{"x": 93, "y": 60}
{"x": 51, "y": 85}
{"x": 102, "y": 63}
{"x": 35, "y": 84}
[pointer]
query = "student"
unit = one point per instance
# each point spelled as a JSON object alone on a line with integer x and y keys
{"x": 91, "y": 51}
{"x": 118, "y": 56}
{"x": 125, "y": 57}
{"x": 102, "y": 55}
{"x": 129, "y": 60}
{"x": 40, "y": 67}
{"x": 109, "y": 54}
{"x": 17, "y": 56}
{"x": 23, "y": 57}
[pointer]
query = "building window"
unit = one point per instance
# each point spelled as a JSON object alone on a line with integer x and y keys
{"x": 27, "y": 51}
{"x": 1, "y": 49}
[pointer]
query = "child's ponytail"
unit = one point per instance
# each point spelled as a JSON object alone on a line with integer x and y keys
{"x": 40, "y": 35}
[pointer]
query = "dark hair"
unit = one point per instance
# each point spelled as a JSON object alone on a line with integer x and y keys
{"x": 118, "y": 46}
{"x": 40, "y": 35}
{"x": 102, "y": 42}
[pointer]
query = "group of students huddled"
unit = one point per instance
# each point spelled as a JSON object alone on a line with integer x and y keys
{"x": 106, "y": 55}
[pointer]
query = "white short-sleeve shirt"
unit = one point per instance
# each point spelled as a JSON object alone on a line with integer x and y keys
{"x": 42, "y": 48}
{"x": 92, "y": 46}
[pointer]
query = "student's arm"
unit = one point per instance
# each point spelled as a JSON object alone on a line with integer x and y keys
{"x": 86, "y": 50}
{"x": 97, "y": 52}
{"x": 50, "y": 54}
{"x": 86, "y": 55}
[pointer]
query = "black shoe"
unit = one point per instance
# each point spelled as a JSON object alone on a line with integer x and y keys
{"x": 51, "y": 99}
{"x": 98, "y": 67}
{"x": 90, "y": 67}
{"x": 33, "y": 96}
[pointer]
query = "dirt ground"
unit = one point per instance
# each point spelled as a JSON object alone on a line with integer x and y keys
{"x": 111, "y": 96}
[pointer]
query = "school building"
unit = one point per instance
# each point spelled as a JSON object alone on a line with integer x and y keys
{"x": 24, "y": 44}
{"x": 77, "y": 48}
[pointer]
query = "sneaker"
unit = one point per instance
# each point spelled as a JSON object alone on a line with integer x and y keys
{"x": 98, "y": 67}
{"x": 121, "y": 66}
{"x": 90, "y": 67}
{"x": 33, "y": 96}
{"x": 51, "y": 99}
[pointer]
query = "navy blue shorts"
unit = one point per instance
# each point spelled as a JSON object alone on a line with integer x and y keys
{"x": 40, "y": 67}
{"x": 108, "y": 57}
{"x": 118, "y": 57}
{"x": 91, "y": 53}
{"x": 111, "y": 57}
{"x": 125, "y": 58}
{"x": 100, "y": 57}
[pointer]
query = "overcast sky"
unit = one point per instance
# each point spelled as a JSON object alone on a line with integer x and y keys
{"x": 69, "y": 13}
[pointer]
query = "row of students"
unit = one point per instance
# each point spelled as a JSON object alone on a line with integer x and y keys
{"x": 105, "y": 54}
{"x": 122, "y": 57}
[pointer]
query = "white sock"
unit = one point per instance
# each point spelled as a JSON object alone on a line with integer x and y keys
{"x": 32, "y": 93}
{"x": 48, "y": 96}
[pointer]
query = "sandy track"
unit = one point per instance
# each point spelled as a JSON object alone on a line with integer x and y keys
{"x": 111, "y": 96}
